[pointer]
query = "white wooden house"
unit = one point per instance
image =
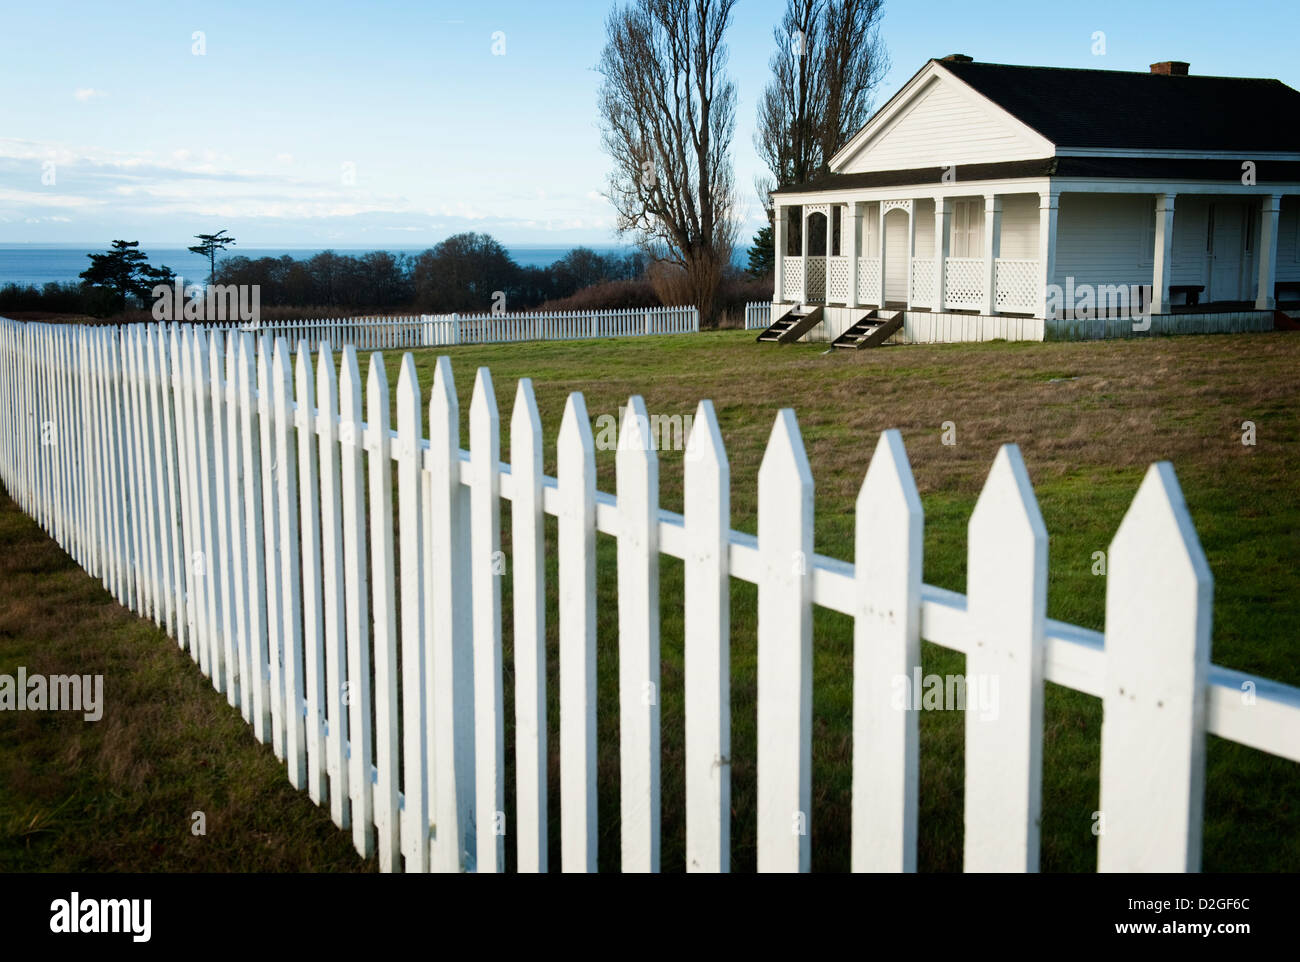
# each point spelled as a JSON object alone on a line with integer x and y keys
{"x": 990, "y": 200}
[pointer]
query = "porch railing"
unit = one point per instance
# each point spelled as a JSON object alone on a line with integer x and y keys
{"x": 963, "y": 283}
{"x": 837, "y": 279}
{"x": 792, "y": 287}
{"x": 922, "y": 282}
{"x": 1016, "y": 285}
{"x": 869, "y": 280}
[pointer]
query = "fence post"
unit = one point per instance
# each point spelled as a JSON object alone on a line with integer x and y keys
{"x": 1158, "y": 596}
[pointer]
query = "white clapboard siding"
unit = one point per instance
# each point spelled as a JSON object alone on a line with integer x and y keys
{"x": 1006, "y": 584}
{"x": 638, "y": 639}
{"x": 785, "y": 546}
{"x": 528, "y": 533}
{"x": 487, "y": 566}
{"x": 247, "y": 509}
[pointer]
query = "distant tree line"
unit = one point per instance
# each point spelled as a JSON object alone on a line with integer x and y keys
{"x": 465, "y": 273}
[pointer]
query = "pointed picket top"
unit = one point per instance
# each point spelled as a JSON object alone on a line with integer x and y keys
{"x": 327, "y": 381}
{"x": 784, "y": 456}
{"x": 575, "y": 442}
{"x": 1157, "y": 533}
{"x": 377, "y": 401}
{"x": 483, "y": 415}
{"x": 217, "y": 363}
{"x": 444, "y": 406}
{"x": 1007, "y": 502}
{"x": 283, "y": 368}
{"x": 409, "y": 423}
{"x": 704, "y": 447}
{"x": 1158, "y": 614}
{"x": 525, "y": 424}
{"x": 888, "y": 491}
{"x": 635, "y": 444}
{"x": 306, "y": 387}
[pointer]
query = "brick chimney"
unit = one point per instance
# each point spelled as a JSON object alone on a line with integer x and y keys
{"x": 1171, "y": 68}
{"x": 958, "y": 58}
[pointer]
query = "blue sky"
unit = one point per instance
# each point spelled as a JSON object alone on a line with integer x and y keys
{"x": 149, "y": 141}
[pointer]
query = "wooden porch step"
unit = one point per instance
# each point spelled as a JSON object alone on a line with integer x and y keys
{"x": 870, "y": 330}
{"x": 792, "y": 325}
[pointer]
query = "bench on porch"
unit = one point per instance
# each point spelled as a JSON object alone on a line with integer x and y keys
{"x": 1191, "y": 291}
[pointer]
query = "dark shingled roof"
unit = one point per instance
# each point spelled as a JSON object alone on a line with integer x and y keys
{"x": 1134, "y": 168}
{"x": 1113, "y": 108}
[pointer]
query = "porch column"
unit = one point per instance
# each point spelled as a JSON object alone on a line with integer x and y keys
{"x": 880, "y": 243}
{"x": 778, "y": 243}
{"x": 911, "y": 247}
{"x": 992, "y": 250}
{"x": 1163, "y": 257}
{"x": 1270, "y": 207}
{"x": 1049, "y": 209}
{"x": 942, "y": 246}
{"x": 849, "y": 223}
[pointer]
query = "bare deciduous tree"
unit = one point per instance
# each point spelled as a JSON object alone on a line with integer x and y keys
{"x": 829, "y": 59}
{"x": 667, "y": 118}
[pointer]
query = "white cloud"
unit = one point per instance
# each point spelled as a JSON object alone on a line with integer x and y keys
{"x": 87, "y": 94}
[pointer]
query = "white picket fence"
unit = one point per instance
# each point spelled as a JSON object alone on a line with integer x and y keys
{"x": 238, "y": 497}
{"x": 758, "y": 315}
{"x": 442, "y": 330}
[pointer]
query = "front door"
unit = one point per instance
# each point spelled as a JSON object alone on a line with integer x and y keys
{"x": 897, "y": 262}
{"x": 1227, "y": 236}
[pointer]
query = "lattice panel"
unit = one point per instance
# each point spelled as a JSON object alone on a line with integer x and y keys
{"x": 869, "y": 280}
{"x": 837, "y": 279}
{"x": 963, "y": 281}
{"x": 922, "y": 282}
{"x": 815, "y": 282}
{"x": 792, "y": 278}
{"x": 1016, "y": 286}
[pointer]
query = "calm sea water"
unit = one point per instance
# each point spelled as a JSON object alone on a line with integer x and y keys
{"x": 41, "y": 263}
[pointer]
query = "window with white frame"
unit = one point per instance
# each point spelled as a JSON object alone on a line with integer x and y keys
{"x": 967, "y": 228}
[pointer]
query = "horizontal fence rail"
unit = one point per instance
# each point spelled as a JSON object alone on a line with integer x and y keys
{"x": 444, "y": 330}
{"x": 245, "y": 498}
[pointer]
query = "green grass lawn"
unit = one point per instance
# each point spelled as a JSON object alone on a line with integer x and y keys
{"x": 1089, "y": 418}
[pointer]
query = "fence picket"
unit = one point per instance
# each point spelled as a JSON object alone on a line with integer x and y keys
{"x": 886, "y": 647}
{"x": 450, "y": 683}
{"x": 357, "y": 697}
{"x": 487, "y": 565}
{"x": 1006, "y": 583}
{"x": 384, "y": 613}
{"x": 1158, "y": 618}
{"x": 410, "y": 498}
{"x": 258, "y": 677}
{"x": 313, "y": 601}
{"x": 638, "y": 639}
{"x": 785, "y": 543}
{"x": 271, "y": 469}
{"x": 286, "y": 483}
{"x": 528, "y": 534}
{"x": 576, "y": 459}
{"x": 333, "y": 580}
{"x": 707, "y": 602}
